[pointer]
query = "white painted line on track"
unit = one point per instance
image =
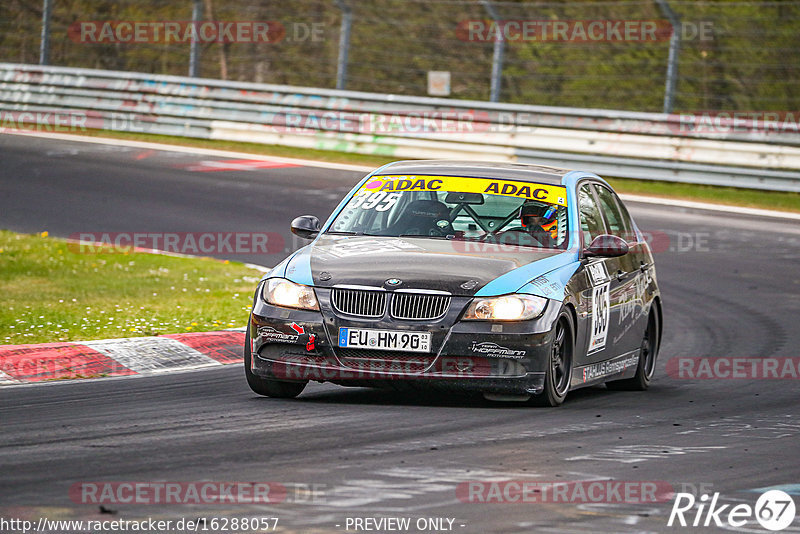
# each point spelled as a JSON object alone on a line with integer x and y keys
{"x": 195, "y": 150}
{"x": 713, "y": 207}
{"x": 363, "y": 168}
{"x": 152, "y": 354}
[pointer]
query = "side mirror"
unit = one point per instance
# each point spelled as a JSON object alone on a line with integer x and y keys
{"x": 306, "y": 226}
{"x": 606, "y": 246}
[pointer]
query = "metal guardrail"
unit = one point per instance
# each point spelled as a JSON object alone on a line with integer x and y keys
{"x": 612, "y": 143}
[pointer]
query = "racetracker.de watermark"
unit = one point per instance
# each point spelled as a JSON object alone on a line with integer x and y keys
{"x": 733, "y": 368}
{"x": 729, "y": 122}
{"x": 206, "y": 492}
{"x": 44, "y": 121}
{"x": 418, "y": 121}
{"x": 193, "y": 243}
{"x": 310, "y": 367}
{"x": 581, "y": 31}
{"x": 182, "y": 31}
{"x": 659, "y": 242}
{"x": 311, "y": 122}
{"x": 564, "y": 492}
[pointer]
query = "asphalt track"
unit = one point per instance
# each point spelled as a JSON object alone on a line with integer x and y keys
{"x": 730, "y": 285}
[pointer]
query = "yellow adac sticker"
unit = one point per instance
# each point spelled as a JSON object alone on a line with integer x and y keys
{"x": 551, "y": 194}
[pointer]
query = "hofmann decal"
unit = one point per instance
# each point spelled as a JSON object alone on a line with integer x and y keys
{"x": 269, "y": 334}
{"x": 493, "y": 350}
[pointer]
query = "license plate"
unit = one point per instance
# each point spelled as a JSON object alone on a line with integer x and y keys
{"x": 385, "y": 340}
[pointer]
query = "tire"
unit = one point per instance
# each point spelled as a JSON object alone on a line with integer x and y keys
{"x": 559, "y": 366}
{"x": 264, "y": 386}
{"x": 647, "y": 360}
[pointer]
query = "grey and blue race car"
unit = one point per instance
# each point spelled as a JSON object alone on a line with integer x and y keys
{"x": 516, "y": 281}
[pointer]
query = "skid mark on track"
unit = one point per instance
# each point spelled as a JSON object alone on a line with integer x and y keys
{"x": 491, "y": 436}
{"x": 756, "y": 334}
{"x": 686, "y": 324}
{"x": 630, "y": 454}
{"x": 405, "y": 489}
{"x": 773, "y": 427}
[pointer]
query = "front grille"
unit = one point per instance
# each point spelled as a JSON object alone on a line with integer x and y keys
{"x": 404, "y": 305}
{"x": 363, "y": 303}
{"x": 417, "y": 306}
{"x": 391, "y": 361}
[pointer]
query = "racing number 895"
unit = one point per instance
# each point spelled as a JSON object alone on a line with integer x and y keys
{"x": 602, "y": 309}
{"x": 373, "y": 200}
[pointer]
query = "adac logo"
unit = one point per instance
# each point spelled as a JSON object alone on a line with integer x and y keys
{"x": 393, "y": 282}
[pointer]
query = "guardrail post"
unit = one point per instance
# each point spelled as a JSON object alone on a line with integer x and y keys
{"x": 672, "y": 60}
{"x": 44, "y": 47}
{"x": 194, "y": 51}
{"x": 344, "y": 44}
{"x": 498, "y": 53}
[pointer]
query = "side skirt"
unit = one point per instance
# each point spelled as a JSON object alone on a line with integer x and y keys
{"x": 618, "y": 367}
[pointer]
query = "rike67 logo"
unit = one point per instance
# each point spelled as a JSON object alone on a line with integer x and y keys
{"x": 774, "y": 510}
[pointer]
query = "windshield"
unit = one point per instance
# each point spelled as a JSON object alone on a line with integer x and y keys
{"x": 461, "y": 208}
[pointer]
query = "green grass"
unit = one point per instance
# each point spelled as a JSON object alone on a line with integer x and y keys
{"x": 772, "y": 200}
{"x": 50, "y": 292}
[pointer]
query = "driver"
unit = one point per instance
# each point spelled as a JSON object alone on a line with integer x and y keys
{"x": 539, "y": 220}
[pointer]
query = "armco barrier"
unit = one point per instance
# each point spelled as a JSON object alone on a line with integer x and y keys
{"x": 612, "y": 143}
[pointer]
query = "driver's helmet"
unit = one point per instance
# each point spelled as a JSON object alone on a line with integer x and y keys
{"x": 532, "y": 209}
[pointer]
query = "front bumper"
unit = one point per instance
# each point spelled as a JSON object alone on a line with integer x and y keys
{"x": 503, "y": 358}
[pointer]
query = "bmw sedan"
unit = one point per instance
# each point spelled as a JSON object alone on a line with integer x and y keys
{"x": 519, "y": 282}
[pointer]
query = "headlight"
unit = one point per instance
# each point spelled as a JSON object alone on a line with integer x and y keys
{"x": 283, "y": 292}
{"x": 505, "y": 308}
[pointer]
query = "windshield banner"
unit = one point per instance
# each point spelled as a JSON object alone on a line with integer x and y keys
{"x": 551, "y": 194}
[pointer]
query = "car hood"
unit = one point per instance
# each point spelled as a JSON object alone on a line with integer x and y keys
{"x": 458, "y": 267}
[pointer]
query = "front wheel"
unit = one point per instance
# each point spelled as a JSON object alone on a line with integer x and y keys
{"x": 559, "y": 369}
{"x": 647, "y": 360}
{"x": 264, "y": 386}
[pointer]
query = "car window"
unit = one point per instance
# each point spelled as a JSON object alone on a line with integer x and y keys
{"x": 508, "y": 212}
{"x": 617, "y": 225}
{"x": 626, "y": 217}
{"x": 591, "y": 220}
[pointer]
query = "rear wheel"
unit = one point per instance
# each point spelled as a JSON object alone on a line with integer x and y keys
{"x": 264, "y": 386}
{"x": 647, "y": 360}
{"x": 559, "y": 369}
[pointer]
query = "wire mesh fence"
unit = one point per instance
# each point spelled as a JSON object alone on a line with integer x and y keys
{"x": 728, "y": 55}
